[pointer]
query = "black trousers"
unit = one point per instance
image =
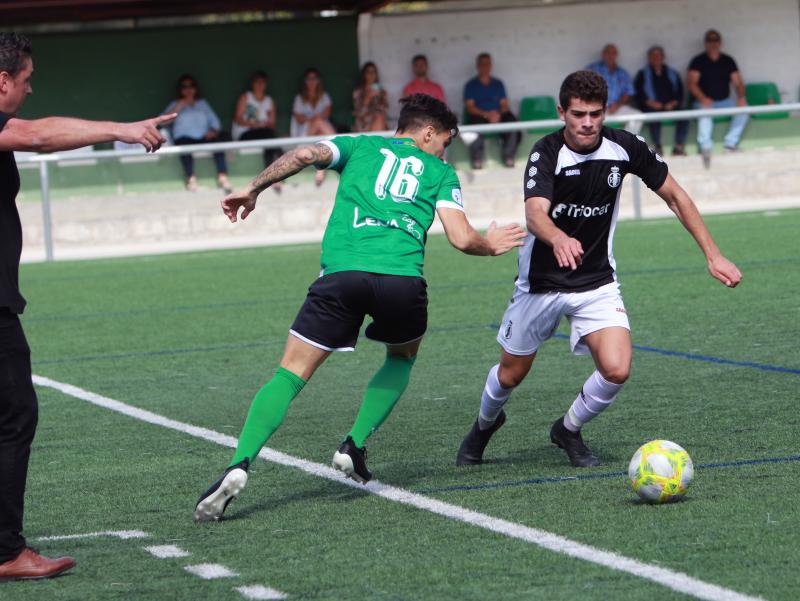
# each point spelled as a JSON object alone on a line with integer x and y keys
{"x": 261, "y": 133}
{"x": 187, "y": 161}
{"x": 18, "y": 416}
{"x": 681, "y": 129}
{"x": 510, "y": 139}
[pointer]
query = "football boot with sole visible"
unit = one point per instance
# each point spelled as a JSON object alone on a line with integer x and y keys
{"x": 214, "y": 501}
{"x": 352, "y": 461}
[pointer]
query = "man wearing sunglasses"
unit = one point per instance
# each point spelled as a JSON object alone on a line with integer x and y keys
{"x": 709, "y": 80}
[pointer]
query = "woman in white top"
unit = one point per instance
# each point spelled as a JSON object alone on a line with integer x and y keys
{"x": 256, "y": 116}
{"x": 311, "y": 112}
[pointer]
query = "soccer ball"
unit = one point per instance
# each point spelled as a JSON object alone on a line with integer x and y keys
{"x": 660, "y": 471}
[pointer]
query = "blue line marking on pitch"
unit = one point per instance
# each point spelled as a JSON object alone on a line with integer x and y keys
{"x": 433, "y": 330}
{"x": 555, "y": 479}
{"x": 707, "y": 358}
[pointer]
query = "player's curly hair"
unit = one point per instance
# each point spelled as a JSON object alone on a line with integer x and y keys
{"x": 420, "y": 110}
{"x": 587, "y": 86}
{"x": 14, "y": 49}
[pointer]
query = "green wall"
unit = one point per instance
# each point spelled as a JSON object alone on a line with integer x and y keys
{"x": 131, "y": 74}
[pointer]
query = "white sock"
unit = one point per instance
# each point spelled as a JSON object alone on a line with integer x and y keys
{"x": 493, "y": 398}
{"x": 596, "y": 396}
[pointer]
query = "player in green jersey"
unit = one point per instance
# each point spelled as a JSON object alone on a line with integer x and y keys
{"x": 372, "y": 255}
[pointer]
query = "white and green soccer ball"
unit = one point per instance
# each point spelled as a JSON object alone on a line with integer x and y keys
{"x": 660, "y": 471}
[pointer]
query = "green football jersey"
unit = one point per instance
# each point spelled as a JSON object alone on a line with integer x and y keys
{"x": 388, "y": 194}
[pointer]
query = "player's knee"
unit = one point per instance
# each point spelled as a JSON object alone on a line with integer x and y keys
{"x": 511, "y": 377}
{"x": 618, "y": 372}
{"x": 405, "y": 355}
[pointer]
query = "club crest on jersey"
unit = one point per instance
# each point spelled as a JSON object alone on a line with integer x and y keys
{"x": 614, "y": 178}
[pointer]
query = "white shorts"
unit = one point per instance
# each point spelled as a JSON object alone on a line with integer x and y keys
{"x": 533, "y": 318}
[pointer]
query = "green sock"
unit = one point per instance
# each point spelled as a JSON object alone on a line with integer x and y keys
{"x": 382, "y": 393}
{"x": 266, "y": 413}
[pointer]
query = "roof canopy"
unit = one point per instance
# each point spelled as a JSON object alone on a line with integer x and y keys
{"x": 23, "y": 12}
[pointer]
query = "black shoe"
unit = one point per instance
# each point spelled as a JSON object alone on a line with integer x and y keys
{"x": 579, "y": 454}
{"x": 471, "y": 450}
{"x": 212, "y": 504}
{"x": 352, "y": 461}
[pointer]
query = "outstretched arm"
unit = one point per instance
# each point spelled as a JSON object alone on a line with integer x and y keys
{"x": 65, "y": 133}
{"x": 679, "y": 202}
{"x": 498, "y": 240}
{"x": 287, "y": 165}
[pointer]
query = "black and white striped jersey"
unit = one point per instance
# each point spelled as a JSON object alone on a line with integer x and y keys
{"x": 583, "y": 190}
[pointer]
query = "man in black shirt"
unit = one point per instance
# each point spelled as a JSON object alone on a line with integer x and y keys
{"x": 709, "y": 81}
{"x": 18, "y": 406}
{"x": 659, "y": 88}
{"x": 571, "y": 187}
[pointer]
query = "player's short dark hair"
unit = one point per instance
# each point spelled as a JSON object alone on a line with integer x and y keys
{"x": 483, "y": 55}
{"x": 419, "y": 57}
{"x": 420, "y": 110}
{"x": 15, "y": 48}
{"x": 587, "y": 86}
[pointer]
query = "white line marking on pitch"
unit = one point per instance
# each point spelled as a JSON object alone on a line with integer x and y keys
{"x": 260, "y": 592}
{"x": 210, "y": 571}
{"x": 121, "y": 534}
{"x": 166, "y": 551}
{"x": 676, "y": 581}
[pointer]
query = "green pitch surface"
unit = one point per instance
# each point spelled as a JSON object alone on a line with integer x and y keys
{"x": 192, "y": 337}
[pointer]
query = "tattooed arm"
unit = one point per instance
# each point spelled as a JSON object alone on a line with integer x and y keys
{"x": 297, "y": 159}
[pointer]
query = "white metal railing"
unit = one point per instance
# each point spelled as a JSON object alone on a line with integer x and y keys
{"x": 44, "y": 159}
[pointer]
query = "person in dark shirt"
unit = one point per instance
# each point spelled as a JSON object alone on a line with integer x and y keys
{"x": 18, "y": 405}
{"x": 709, "y": 81}
{"x": 659, "y": 88}
{"x": 572, "y": 185}
{"x": 485, "y": 101}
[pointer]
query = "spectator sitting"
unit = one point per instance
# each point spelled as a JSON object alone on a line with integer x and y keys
{"x": 486, "y": 101}
{"x": 709, "y": 81}
{"x": 255, "y": 118}
{"x": 659, "y": 88}
{"x": 421, "y": 84}
{"x": 620, "y": 86}
{"x": 196, "y": 123}
{"x": 370, "y": 102}
{"x": 311, "y": 112}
